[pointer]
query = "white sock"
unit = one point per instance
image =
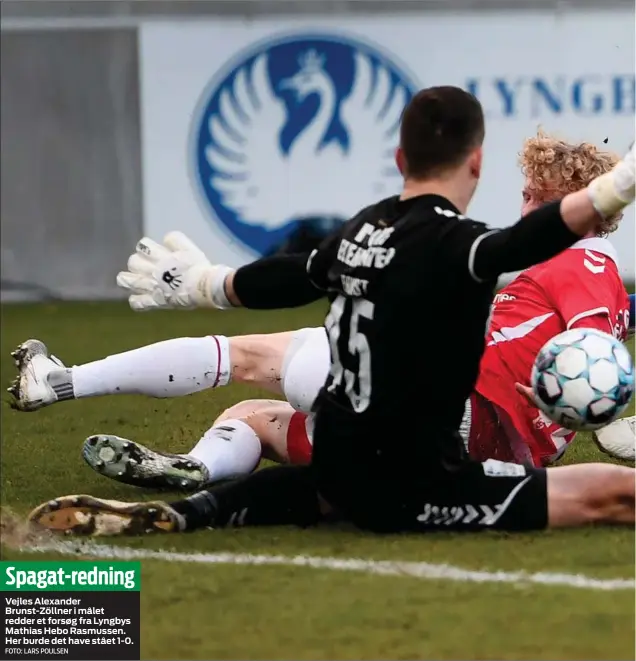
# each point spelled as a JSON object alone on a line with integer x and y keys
{"x": 229, "y": 449}
{"x": 166, "y": 369}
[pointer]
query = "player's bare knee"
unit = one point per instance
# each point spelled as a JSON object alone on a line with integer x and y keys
{"x": 242, "y": 411}
{"x": 269, "y": 419}
{"x": 258, "y": 358}
{"x": 243, "y": 359}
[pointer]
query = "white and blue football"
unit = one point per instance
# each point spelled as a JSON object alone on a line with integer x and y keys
{"x": 583, "y": 379}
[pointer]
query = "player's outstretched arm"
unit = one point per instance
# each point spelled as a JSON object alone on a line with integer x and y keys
{"x": 177, "y": 274}
{"x": 271, "y": 283}
{"x": 544, "y": 233}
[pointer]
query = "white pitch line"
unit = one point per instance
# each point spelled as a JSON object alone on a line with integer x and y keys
{"x": 422, "y": 570}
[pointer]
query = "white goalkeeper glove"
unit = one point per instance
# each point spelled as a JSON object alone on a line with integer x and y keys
{"x": 613, "y": 191}
{"x": 174, "y": 275}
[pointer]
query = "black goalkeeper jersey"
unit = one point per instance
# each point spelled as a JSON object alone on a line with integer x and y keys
{"x": 410, "y": 285}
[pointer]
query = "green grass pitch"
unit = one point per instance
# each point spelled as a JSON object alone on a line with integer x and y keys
{"x": 206, "y": 611}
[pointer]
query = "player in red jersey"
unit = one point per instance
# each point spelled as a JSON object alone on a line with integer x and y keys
{"x": 579, "y": 288}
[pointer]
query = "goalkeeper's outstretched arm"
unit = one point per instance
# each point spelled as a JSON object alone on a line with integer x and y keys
{"x": 285, "y": 281}
{"x": 272, "y": 282}
{"x": 178, "y": 275}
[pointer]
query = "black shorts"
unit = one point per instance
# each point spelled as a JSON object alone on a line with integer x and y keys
{"x": 492, "y": 495}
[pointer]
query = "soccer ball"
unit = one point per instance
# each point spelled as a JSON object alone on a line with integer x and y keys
{"x": 583, "y": 379}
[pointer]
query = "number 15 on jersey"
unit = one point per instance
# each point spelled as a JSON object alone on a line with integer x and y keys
{"x": 343, "y": 328}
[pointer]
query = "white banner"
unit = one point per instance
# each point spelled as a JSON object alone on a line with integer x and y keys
{"x": 249, "y": 127}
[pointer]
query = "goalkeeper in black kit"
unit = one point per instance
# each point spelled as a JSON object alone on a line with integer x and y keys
{"x": 371, "y": 465}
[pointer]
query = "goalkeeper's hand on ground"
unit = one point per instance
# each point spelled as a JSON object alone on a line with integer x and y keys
{"x": 173, "y": 275}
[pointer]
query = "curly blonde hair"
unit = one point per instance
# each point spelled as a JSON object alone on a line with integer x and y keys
{"x": 555, "y": 168}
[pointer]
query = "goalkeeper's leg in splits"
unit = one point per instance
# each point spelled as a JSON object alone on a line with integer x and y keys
{"x": 293, "y": 364}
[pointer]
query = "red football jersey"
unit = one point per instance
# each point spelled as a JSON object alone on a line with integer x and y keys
{"x": 579, "y": 288}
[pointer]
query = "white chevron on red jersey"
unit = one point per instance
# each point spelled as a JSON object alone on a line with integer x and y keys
{"x": 581, "y": 287}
